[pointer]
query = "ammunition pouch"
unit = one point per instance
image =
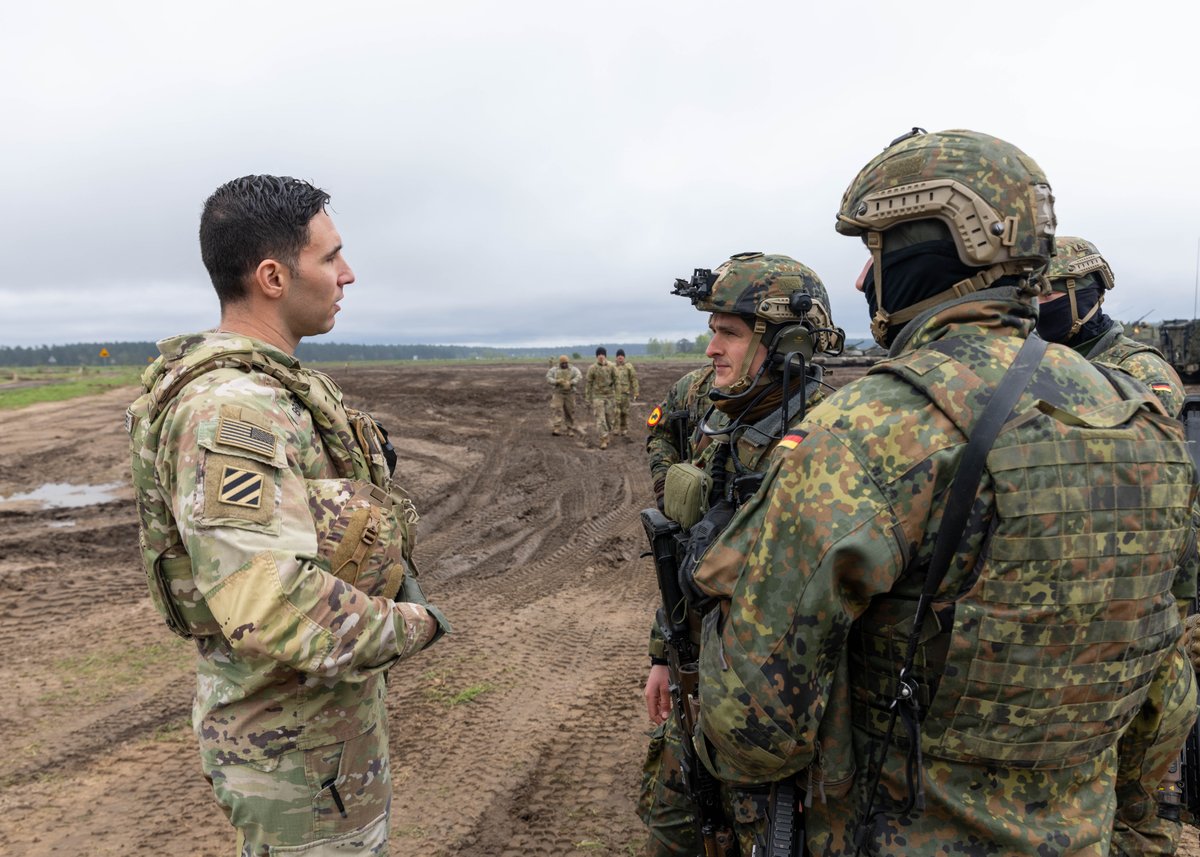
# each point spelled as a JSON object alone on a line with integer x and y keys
{"x": 685, "y": 495}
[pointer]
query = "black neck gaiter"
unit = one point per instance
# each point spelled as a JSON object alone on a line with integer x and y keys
{"x": 1055, "y": 320}
{"x": 912, "y": 274}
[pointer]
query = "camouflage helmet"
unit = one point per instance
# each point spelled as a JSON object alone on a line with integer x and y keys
{"x": 783, "y": 301}
{"x": 994, "y": 198}
{"x": 1076, "y": 260}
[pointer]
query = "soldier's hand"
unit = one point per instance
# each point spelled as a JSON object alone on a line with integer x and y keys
{"x": 658, "y": 694}
{"x": 1191, "y": 640}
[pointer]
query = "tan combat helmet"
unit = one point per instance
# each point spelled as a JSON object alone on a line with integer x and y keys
{"x": 1075, "y": 259}
{"x": 994, "y": 198}
{"x": 783, "y": 301}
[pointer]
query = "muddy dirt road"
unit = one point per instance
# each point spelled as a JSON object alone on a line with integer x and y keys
{"x": 520, "y": 735}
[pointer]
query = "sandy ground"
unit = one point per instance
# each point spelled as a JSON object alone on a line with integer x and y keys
{"x": 522, "y": 734}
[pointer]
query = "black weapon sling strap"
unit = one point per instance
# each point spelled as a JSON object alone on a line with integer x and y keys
{"x": 904, "y": 705}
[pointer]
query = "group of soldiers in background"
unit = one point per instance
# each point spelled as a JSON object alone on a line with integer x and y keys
{"x": 939, "y": 610}
{"x": 610, "y": 389}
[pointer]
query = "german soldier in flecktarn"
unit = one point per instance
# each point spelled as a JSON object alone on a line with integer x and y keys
{"x": 1070, "y": 313}
{"x": 274, "y": 538}
{"x": 1148, "y": 811}
{"x": 959, "y": 586}
{"x": 769, "y": 316}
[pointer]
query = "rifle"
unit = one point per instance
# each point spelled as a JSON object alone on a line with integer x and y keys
{"x": 1189, "y": 776}
{"x": 665, "y": 536}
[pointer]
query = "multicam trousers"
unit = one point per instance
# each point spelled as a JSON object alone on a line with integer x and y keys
{"x": 330, "y": 801}
{"x": 602, "y": 410}
{"x": 562, "y": 411}
{"x": 621, "y": 415}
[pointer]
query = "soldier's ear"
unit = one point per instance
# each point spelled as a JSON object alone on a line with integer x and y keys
{"x": 270, "y": 279}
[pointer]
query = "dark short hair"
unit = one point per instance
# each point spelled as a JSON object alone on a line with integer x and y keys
{"x": 601, "y": 350}
{"x": 620, "y": 352}
{"x": 254, "y": 218}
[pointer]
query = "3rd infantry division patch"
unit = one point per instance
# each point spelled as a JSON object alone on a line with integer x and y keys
{"x": 241, "y": 487}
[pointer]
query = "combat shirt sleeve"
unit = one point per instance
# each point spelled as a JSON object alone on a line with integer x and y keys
{"x": 230, "y": 462}
{"x": 797, "y": 565}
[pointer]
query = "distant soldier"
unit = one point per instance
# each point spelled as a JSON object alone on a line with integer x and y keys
{"x": 273, "y": 536}
{"x": 1079, "y": 278}
{"x": 564, "y": 379}
{"x": 600, "y": 393}
{"x": 672, "y": 425}
{"x": 627, "y": 391}
{"x": 1148, "y": 812}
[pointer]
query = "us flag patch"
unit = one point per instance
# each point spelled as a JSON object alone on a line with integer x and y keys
{"x": 247, "y": 436}
{"x": 241, "y": 487}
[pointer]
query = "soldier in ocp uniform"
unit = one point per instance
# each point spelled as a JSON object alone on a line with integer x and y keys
{"x": 564, "y": 378}
{"x": 1148, "y": 811}
{"x": 274, "y": 537}
{"x": 627, "y": 391}
{"x": 983, "y": 716}
{"x": 769, "y": 315}
{"x": 600, "y": 392}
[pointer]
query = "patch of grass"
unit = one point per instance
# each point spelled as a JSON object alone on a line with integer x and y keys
{"x": 440, "y": 688}
{"x": 58, "y": 385}
{"x": 468, "y": 694}
{"x": 101, "y": 675}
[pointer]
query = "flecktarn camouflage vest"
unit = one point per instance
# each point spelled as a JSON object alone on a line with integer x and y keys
{"x": 1038, "y": 652}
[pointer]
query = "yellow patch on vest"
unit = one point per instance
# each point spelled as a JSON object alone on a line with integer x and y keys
{"x": 241, "y": 487}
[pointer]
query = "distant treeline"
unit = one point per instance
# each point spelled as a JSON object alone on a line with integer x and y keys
{"x": 140, "y": 353}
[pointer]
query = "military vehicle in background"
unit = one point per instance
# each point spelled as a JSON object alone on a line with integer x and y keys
{"x": 1179, "y": 341}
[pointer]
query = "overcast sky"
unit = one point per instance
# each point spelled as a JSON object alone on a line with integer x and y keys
{"x": 540, "y": 172}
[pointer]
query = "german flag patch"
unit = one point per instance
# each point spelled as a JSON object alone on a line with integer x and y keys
{"x": 655, "y": 417}
{"x": 241, "y": 487}
{"x": 791, "y": 441}
{"x": 1161, "y": 388}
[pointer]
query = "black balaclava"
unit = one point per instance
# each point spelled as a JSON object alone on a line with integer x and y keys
{"x": 913, "y": 273}
{"x": 1055, "y": 320}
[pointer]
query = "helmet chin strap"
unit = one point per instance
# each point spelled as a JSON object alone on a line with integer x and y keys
{"x": 1077, "y": 323}
{"x": 744, "y": 383}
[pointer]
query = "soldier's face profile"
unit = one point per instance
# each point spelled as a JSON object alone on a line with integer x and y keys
{"x": 315, "y": 288}
{"x": 727, "y": 349}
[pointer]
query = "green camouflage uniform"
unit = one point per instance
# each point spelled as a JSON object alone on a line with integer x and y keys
{"x": 664, "y": 806}
{"x": 600, "y": 392}
{"x": 1138, "y": 360}
{"x": 1139, "y": 829}
{"x": 686, "y": 401}
{"x": 562, "y": 400}
{"x": 1050, "y": 631}
{"x": 627, "y": 390}
{"x": 272, "y": 535}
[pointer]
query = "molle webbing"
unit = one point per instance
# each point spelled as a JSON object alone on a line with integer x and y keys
{"x": 346, "y": 443}
{"x": 1042, "y": 660}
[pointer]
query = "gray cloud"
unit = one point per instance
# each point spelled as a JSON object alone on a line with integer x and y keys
{"x": 540, "y": 172}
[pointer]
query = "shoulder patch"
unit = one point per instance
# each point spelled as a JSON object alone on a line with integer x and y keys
{"x": 655, "y": 417}
{"x": 245, "y": 435}
{"x": 791, "y": 441}
{"x": 237, "y": 488}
